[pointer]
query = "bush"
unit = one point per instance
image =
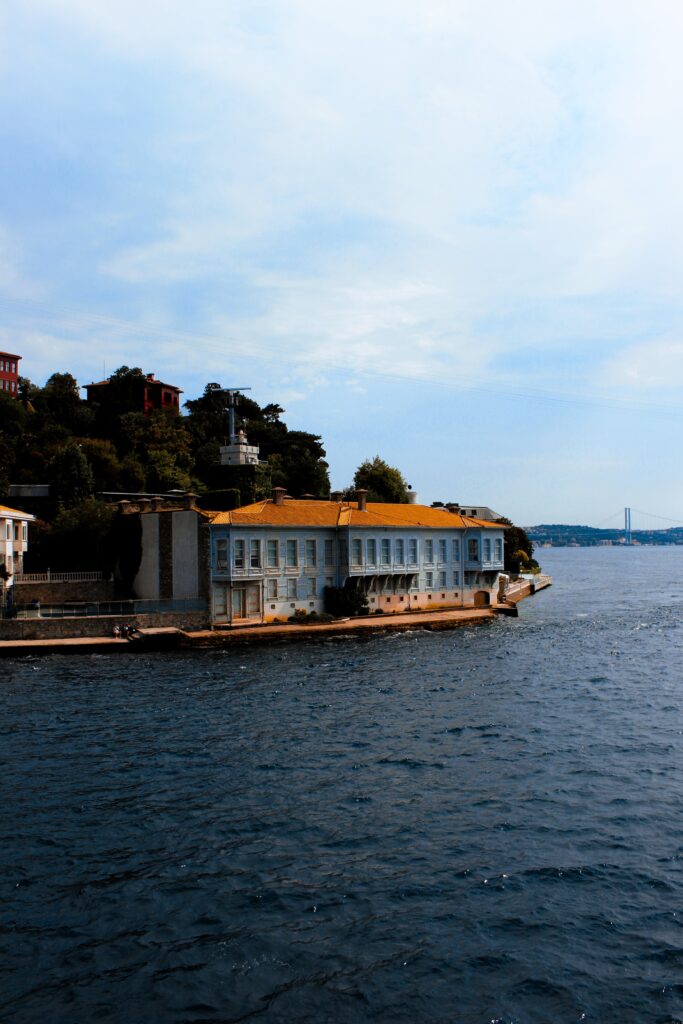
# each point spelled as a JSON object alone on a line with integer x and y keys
{"x": 302, "y": 616}
{"x": 347, "y": 600}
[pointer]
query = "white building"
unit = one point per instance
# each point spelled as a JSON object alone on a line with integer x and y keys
{"x": 267, "y": 560}
{"x": 13, "y": 546}
{"x": 273, "y": 557}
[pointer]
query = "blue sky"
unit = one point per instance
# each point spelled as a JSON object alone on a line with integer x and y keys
{"x": 448, "y": 233}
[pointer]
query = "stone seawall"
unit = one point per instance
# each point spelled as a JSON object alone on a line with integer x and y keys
{"x": 101, "y": 625}
{"x": 63, "y": 593}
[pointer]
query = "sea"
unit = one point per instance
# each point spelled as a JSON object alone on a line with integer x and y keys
{"x": 477, "y": 826}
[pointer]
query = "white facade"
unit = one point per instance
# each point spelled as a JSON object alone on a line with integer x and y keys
{"x": 13, "y": 545}
{"x": 262, "y": 573}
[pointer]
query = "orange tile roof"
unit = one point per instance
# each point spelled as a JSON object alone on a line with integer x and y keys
{"x": 341, "y": 513}
{"x": 5, "y": 511}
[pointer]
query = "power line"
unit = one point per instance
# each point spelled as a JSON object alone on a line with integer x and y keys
{"x": 80, "y": 320}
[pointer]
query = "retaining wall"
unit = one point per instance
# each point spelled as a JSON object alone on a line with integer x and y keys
{"x": 101, "y": 625}
{"x": 63, "y": 593}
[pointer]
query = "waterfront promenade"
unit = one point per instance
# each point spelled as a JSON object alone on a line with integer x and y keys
{"x": 178, "y": 639}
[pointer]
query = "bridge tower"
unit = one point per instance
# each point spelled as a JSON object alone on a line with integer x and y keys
{"x": 627, "y": 526}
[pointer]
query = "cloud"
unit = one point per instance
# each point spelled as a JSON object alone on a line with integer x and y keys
{"x": 652, "y": 366}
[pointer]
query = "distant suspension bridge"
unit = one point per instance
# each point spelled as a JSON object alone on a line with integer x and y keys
{"x": 636, "y": 521}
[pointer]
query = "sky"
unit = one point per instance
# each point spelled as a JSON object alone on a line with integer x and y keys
{"x": 446, "y": 233}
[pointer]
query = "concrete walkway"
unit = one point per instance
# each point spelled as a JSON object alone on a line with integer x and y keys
{"x": 169, "y": 638}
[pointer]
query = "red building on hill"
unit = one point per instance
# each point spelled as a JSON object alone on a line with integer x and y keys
{"x": 9, "y": 373}
{"x": 153, "y": 395}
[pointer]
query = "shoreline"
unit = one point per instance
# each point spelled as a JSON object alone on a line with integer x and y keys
{"x": 171, "y": 638}
{"x": 174, "y": 638}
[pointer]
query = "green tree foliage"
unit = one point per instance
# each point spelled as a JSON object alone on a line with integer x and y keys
{"x": 70, "y": 476}
{"x": 50, "y": 435}
{"x": 296, "y": 458}
{"x": 124, "y": 394}
{"x": 383, "y": 482}
{"x": 346, "y": 600}
{"x": 79, "y": 539}
{"x": 519, "y": 549}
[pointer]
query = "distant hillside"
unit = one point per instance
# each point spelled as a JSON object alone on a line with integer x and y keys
{"x": 561, "y": 535}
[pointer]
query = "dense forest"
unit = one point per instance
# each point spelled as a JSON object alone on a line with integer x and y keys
{"x": 50, "y": 435}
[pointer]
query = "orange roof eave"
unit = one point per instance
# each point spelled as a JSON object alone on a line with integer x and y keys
{"x": 329, "y": 514}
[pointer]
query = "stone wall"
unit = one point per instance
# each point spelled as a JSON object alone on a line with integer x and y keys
{"x": 101, "y": 625}
{"x": 62, "y": 593}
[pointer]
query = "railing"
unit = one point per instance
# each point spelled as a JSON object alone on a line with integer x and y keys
{"x": 83, "y": 609}
{"x": 60, "y": 577}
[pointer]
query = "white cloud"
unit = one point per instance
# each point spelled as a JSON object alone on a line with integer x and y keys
{"x": 653, "y": 366}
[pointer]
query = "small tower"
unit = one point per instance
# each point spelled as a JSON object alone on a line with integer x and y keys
{"x": 239, "y": 452}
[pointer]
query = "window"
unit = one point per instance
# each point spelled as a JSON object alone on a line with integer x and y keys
{"x": 291, "y": 553}
{"x": 356, "y": 551}
{"x": 8, "y": 535}
{"x": 456, "y": 578}
{"x": 412, "y": 551}
{"x": 329, "y": 552}
{"x": 272, "y": 554}
{"x": 271, "y": 589}
{"x": 442, "y": 551}
{"x": 221, "y": 554}
{"x": 23, "y": 532}
{"x": 16, "y": 531}
{"x": 238, "y": 548}
{"x": 456, "y": 550}
{"x": 487, "y": 549}
{"x": 429, "y": 581}
{"x": 429, "y": 551}
{"x": 442, "y": 580}
{"x": 386, "y": 551}
{"x": 291, "y": 588}
{"x": 311, "y": 553}
{"x": 470, "y": 578}
{"x": 255, "y": 554}
{"x": 399, "y": 552}
{"x": 499, "y": 549}
{"x": 473, "y": 550}
{"x": 372, "y": 552}
{"x": 312, "y": 586}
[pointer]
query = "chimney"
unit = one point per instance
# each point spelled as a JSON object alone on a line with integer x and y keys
{"x": 361, "y": 498}
{"x": 190, "y": 500}
{"x": 145, "y": 504}
{"x": 157, "y": 502}
{"x": 124, "y": 507}
{"x": 336, "y": 496}
{"x": 307, "y": 497}
{"x": 279, "y": 495}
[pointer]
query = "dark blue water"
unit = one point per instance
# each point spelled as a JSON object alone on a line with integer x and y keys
{"x": 475, "y": 826}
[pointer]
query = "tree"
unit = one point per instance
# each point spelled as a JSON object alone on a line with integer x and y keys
{"x": 519, "y": 549}
{"x": 70, "y": 476}
{"x": 79, "y": 539}
{"x": 60, "y": 402}
{"x": 383, "y": 482}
